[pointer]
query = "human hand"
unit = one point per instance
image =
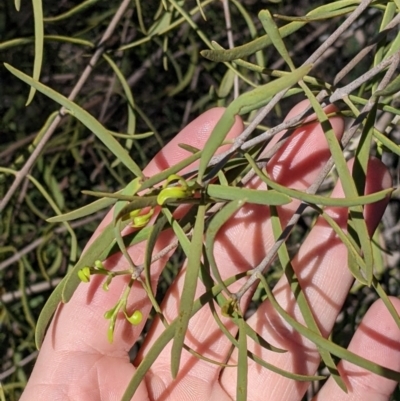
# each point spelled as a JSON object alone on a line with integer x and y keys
{"x": 77, "y": 362}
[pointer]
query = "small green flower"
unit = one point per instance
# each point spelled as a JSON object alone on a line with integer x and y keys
{"x": 98, "y": 264}
{"x": 172, "y": 193}
{"x": 139, "y": 221}
{"x": 107, "y": 282}
{"x": 84, "y": 274}
{"x": 176, "y": 192}
{"x": 136, "y": 317}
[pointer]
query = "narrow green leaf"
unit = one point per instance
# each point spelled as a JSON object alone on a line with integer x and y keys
{"x": 187, "y": 78}
{"x": 243, "y": 367}
{"x": 161, "y": 24}
{"x": 155, "y": 231}
{"x": 264, "y": 41}
{"x": 189, "y": 148}
{"x": 85, "y": 118}
{"x": 254, "y": 196}
{"x": 17, "y": 4}
{"x": 71, "y": 12}
{"x": 83, "y": 211}
{"x": 352, "y": 247}
{"x": 251, "y": 47}
{"x": 258, "y": 360}
{"x": 189, "y": 289}
{"x": 178, "y": 231}
{"x": 331, "y": 347}
{"x": 226, "y": 84}
{"x": 362, "y": 154}
{"x": 319, "y": 17}
{"x": 69, "y": 39}
{"x": 15, "y": 43}
{"x": 261, "y": 341}
{"x": 245, "y": 103}
{"x": 260, "y": 58}
{"x": 380, "y": 51}
{"x": 348, "y": 184}
{"x": 318, "y": 199}
{"x": 138, "y": 202}
{"x": 128, "y": 93}
{"x": 359, "y": 174}
{"x": 131, "y": 189}
{"x": 392, "y": 146}
{"x": 110, "y": 195}
{"x": 47, "y": 313}
{"x": 391, "y": 89}
{"x": 39, "y": 33}
{"x": 274, "y": 34}
{"x": 24, "y": 296}
{"x": 215, "y": 225}
{"x": 261, "y": 95}
{"x": 94, "y": 252}
{"x": 394, "y": 45}
{"x": 389, "y": 305}
{"x": 301, "y": 299}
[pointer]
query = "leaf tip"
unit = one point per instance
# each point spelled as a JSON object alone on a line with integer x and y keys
{"x": 32, "y": 92}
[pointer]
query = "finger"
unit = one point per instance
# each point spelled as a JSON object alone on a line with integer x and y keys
{"x": 377, "y": 339}
{"x": 321, "y": 269}
{"x": 240, "y": 245}
{"x": 79, "y": 326}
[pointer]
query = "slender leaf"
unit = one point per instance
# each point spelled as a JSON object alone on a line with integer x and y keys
{"x": 128, "y": 93}
{"x": 83, "y": 211}
{"x": 242, "y": 369}
{"x": 391, "y": 89}
{"x": 71, "y": 12}
{"x": 85, "y": 118}
{"x": 47, "y": 312}
{"x": 155, "y": 231}
{"x": 318, "y": 199}
{"x": 189, "y": 289}
{"x": 187, "y": 78}
{"x": 327, "y": 344}
{"x": 258, "y": 360}
{"x": 274, "y": 34}
{"x": 301, "y": 299}
{"x": 348, "y": 184}
{"x": 179, "y": 232}
{"x": 215, "y": 225}
{"x": 39, "y": 33}
{"x": 254, "y": 196}
{"x": 386, "y": 300}
{"x": 131, "y": 189}
{"x": 245, "y": 103}
{"x": 319, "y": 17}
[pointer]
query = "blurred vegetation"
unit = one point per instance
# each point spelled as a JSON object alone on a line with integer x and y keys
{"x": 158, "y": 53}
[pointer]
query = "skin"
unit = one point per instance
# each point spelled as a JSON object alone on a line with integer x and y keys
{"x": 76, "y": 361}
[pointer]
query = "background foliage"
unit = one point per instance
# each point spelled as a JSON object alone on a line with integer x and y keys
{"x": 157, "y": 52}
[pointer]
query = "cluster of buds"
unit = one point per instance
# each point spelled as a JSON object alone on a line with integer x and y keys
{"x": 135, "y": 318}
{"x": 139, "y": 218}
